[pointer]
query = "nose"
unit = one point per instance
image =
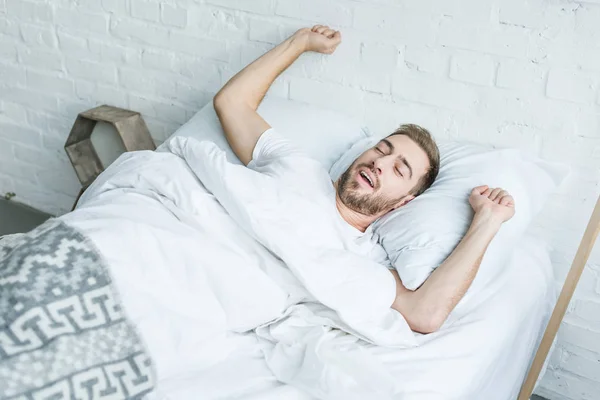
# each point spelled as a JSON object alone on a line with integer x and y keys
{"x": 377, "y": 166}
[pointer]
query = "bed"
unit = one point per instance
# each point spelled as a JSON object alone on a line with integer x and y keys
{"x": 168, "y": 244}
{"x": 459, "y": 362}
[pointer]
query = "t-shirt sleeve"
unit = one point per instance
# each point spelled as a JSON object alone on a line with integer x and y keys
{"x": 272, "y": 146}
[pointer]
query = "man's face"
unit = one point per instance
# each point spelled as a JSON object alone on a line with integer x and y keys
{"x": 381, "y": 178}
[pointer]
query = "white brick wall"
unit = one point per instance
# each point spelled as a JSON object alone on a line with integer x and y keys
{"x": 509, "y": 72}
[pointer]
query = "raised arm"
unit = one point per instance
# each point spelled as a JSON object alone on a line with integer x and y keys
{"x": 426, "y": 308}
{"x": 236, "y": 103}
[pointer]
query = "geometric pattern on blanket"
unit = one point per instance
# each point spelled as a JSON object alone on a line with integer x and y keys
{"x": 63, "y": 332}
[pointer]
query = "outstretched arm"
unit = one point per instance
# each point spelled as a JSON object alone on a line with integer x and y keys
{"x": 426, "y": 308}
{"x": 237, "y": 101}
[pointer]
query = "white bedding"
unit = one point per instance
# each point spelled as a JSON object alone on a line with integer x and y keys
{"x": 189, "y": 275}
{"x": 482, "y": 355}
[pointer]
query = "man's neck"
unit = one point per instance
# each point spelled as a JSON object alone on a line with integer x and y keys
{"x": 353, "y": 218}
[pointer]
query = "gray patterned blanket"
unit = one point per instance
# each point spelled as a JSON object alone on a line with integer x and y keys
{"x": 63, "y": 334}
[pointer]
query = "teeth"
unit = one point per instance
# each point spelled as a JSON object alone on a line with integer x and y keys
{"x": 362, "y": 173}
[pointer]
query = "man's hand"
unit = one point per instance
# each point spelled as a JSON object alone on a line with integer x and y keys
{"x": 492, "y": 202}
{"x": 426, "y": 308}
{"x": 236, "y": 103}
{"x": 319, "y": 38}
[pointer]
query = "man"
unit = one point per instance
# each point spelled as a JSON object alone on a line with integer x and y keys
{"x": 383, "y": 178}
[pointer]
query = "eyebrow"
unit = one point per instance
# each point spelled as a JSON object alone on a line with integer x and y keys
{"x": 400, "y": 157}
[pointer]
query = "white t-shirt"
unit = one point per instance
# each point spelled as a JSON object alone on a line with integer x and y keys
{"x": 276, "y": 156}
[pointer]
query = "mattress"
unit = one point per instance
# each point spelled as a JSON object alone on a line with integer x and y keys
{"x": 483, "y": 351}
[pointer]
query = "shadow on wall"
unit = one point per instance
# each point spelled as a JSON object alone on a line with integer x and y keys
{"x": 16, "y": 218}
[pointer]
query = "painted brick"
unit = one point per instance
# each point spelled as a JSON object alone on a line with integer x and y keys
{"x": 199, "y": 70}
{"x": 33, "y": 155}
{"x": 114, "y": 6}
{"x": 580, "y": 337}
{"x": 19, "y": 171}
{"x": 174, "y": 16}
{"x": 563, "y": 385}
{"x": 379, "y": 57}
{"x": 327, "y": 95}
{"x": 8, "y": 50}
{"x": 37, "y": 36}
{"x": 587, "y": 124}
{"x": 150, "y": 82}
{"x": 528, "y": 13}
{"x": 51, "y": 82}
{"x": 62, "y": 177}
{"x": 423, "y": 88}
{"x": 469, "y": 9}
{"x": 84, "y": 89}
{"x": 208, "y": 48}
{"x": 218, "y": 23}
{"x": 107, "y": 51}
{"x": 572, "y": 85}
{"x": 255, "y": 6}
{"x": 29, "y": 11}
{"x": 575, "y": 150}
{"x": 586, "y": 22}
{"x": 36, "y": 195}
{"x": 13, "y": 74}
{"x": 395, "y": 23}
{"x": 46, "y": 122}
{"x": 81, "y": 21}
{"x": 6, "y": 149}
{"x": 72, "y": 44}
{"x": 90, "y": 70}
{"x": 263, "y": 30}
{"x": 516, "y": 74}
{"x": 12, "y": 112}
{"x": 141, "y": 32}
{"x": 20, "y": 134}
{"x": 110, "y": 95}
{"x": 505, "y": 40}
{"x": 147, "y": 10}
{"x": 426, "y": 59}
{"x": 157, "y": 60}
{"x": 473, "y": 68}
{"x": 252, "y": 51}
{"x": 334, "y": 14}
{"x": 588, "y": 310}
{"x": 10, "y": 28}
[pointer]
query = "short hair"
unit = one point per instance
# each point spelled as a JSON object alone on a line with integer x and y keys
{"x": 424, "y": 140}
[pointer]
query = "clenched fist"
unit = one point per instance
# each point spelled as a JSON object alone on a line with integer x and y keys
{"x": 319, "y": 38}
{"x": 495, "y": 202}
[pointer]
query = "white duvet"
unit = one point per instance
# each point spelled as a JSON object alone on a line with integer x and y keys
{"x": 189, "y": 274}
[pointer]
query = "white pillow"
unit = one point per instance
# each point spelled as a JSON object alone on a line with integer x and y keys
{"x": 324, "y": 134}
{"x": 420, "y": 235}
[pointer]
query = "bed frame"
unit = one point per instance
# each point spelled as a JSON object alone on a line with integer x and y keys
{"x": 581, "y": 257}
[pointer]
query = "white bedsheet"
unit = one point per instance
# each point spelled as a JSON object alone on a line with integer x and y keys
{"x": 482, "y": 355}
{"x": 188, "y": 276}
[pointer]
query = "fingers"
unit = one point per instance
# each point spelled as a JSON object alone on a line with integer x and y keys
{"x": 507, "y": 201}
{"x": 325, "y": 31}
{"x": 494, "y": 194}
{"x": 497, "y": 195}
{"x": 479, "y": 189}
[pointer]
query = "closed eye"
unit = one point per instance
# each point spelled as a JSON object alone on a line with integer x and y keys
{"x": 377, "y": 149}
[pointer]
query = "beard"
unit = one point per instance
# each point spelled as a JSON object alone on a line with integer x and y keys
{"x": 370, "y": 204}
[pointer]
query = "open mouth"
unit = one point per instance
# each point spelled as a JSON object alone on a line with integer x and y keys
{"x": 365, "y": 176}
